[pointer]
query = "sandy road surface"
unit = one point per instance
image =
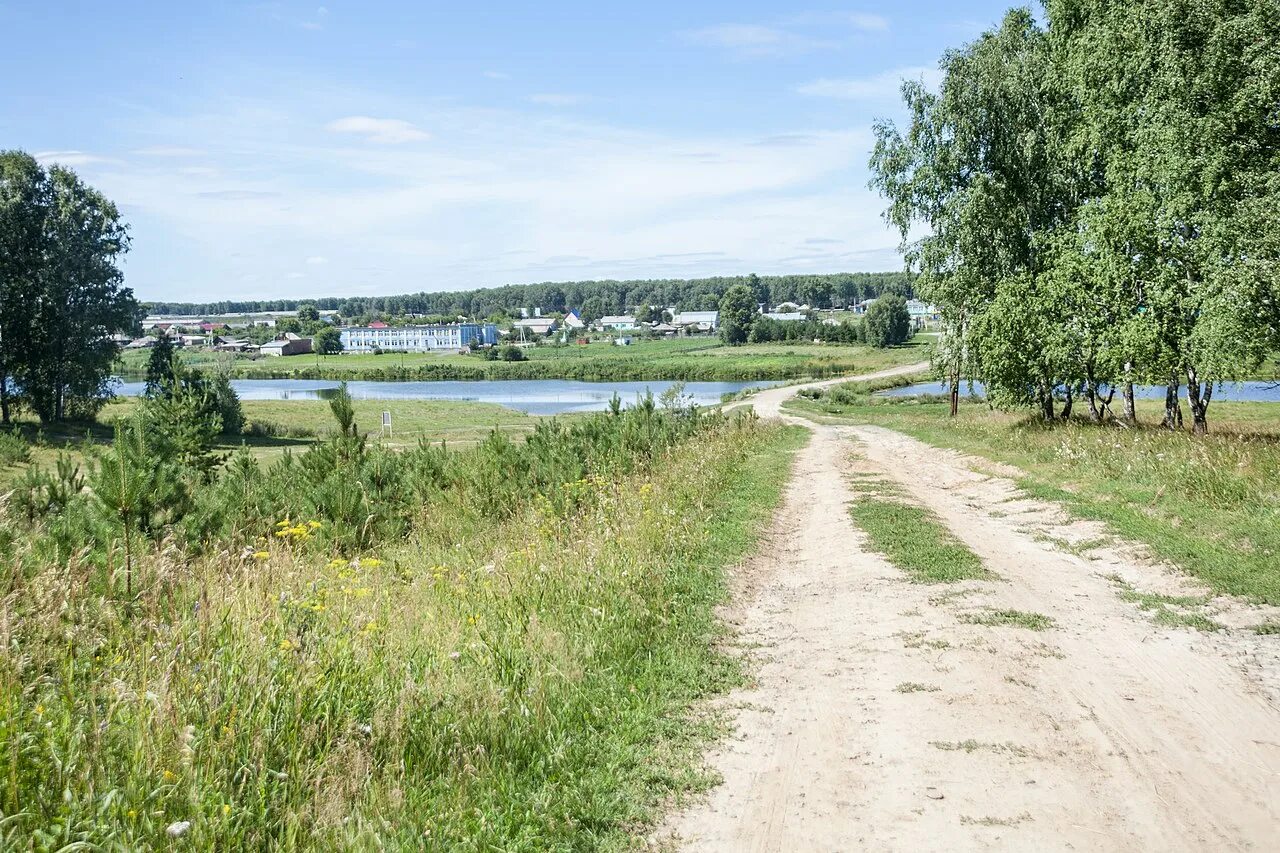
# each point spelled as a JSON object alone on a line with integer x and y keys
{"x": 881, "y": 721}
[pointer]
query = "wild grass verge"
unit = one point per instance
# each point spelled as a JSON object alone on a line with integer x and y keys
{"x": 1209, "y": 504}
{"x": 504, "y": 672}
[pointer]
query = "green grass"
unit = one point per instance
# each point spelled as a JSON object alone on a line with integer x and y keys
{"x": 1170, "y": 610}
{"x": 283, "y": 425}
{"x": 916, "y": 542}
{"x": 524, "y": 683}
{"x": 1210, "y": 505}
{"x": 995, "y": 618}
{"x": 686, "y": 359}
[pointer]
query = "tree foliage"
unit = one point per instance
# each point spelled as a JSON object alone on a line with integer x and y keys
{"x": 835, "y": 290}
{"x": 62, "y": 297}
{"x": 737, "y": 312}
{"x": 887, "y": 322}
{"x": 1094, "y": 194}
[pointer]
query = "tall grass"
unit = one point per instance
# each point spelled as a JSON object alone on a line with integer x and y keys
{"x": 499, "y": 660}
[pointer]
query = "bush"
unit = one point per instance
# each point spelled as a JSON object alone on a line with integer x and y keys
{"x": 512, "y": 353}
{"x": 13, "y": 448}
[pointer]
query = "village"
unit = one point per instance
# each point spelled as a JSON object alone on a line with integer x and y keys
{"x": 280, "y": 333}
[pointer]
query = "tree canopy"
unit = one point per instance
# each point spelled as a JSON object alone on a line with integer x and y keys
{"x": 61, "y": 291}
{"x": 605, "y": 297}
{"x": 1098, "y": 198}
{"x": 737, "y": 311}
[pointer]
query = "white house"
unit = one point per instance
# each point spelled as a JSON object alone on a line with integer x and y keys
{"x": 703, "y": 321}
{"x": 573, "y": 322}
{"x": 535, "y": 326}
{"x": 785, "y": 316}
{"x": 921, "y": 310}
{"x": 451, "y": 336}
{"x": 618, "y": 322}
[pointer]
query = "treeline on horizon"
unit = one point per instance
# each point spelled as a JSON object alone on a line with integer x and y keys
{"x": 596, "y": 297}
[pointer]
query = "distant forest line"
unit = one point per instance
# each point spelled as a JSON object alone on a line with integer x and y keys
{"x": 597, "y": 297}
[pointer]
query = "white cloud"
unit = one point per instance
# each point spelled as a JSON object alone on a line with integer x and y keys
{"x": 317, "y": 260}
{"x": 754, "y": 40}
{"x": 68, "y": 158}
{"x": 557, "y": 99}
{"x": 296, "y": 275}
{"x": 391, "y": 131}
{"x": 868, "y": 21}
{"x": 884, "y": 86}
{"x": 504, "y": 196}
{"x": 497, "y": 75}
{"x": 168, "y": 151}
{"x": 317, "y": 22}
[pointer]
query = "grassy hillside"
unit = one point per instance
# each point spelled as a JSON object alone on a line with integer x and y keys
{"x": 492, "y": 649}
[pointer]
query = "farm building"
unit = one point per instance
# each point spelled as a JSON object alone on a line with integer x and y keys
{"x": 452, "y": 336}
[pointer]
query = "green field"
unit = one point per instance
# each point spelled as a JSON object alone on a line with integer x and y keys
{"x": 1210, "y": 505}
{"x": 280, "y": 425}
{"x": 688, "y": 359}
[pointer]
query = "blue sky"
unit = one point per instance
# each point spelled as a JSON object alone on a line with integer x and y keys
{"x": 270, "y": 150}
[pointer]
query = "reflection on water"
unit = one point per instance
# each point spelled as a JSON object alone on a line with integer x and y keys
{"x": 535, "y": 396}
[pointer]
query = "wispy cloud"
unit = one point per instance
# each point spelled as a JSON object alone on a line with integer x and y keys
{"x": 497, "y": 75}
{"x": 869, "y": 22}
{"x": 68, "y": 158}
{"x": 168, "y": 151}
{"x": 390, "y": 131}
{"x": 798, "y": 33}
{"x": 237, "y": 195}
{"x": 557, "y": 99}
{"x": 751, "y": 41}
{"x": 503, "y": 195}
{"x": 884, "y": 86}
{"x": 317, "y": 21}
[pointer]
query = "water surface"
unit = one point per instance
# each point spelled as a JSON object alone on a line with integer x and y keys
{"x": 534, "y": 396}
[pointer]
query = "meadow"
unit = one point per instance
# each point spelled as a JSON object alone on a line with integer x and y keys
{"x": 1209, "y": 504}
{"x": 355, "y": 647}
{"x": 690, "y": 359}
{"x": 275, "y": 427}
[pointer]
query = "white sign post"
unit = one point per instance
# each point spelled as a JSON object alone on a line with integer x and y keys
{"x": 386, "y": 423}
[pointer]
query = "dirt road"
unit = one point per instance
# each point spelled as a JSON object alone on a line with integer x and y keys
{"x": 879, "y": 720}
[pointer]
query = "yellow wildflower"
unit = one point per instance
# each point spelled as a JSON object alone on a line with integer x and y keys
{"x": 226, "y": 809}
{"x": 287, "y": 645}
{"x": 260, "y": 555}
{"x": 39, "y": 710}
{"x": 370, "y": 562}
{"x": 168, "y": 776}
{"x": 314, "y": 525}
